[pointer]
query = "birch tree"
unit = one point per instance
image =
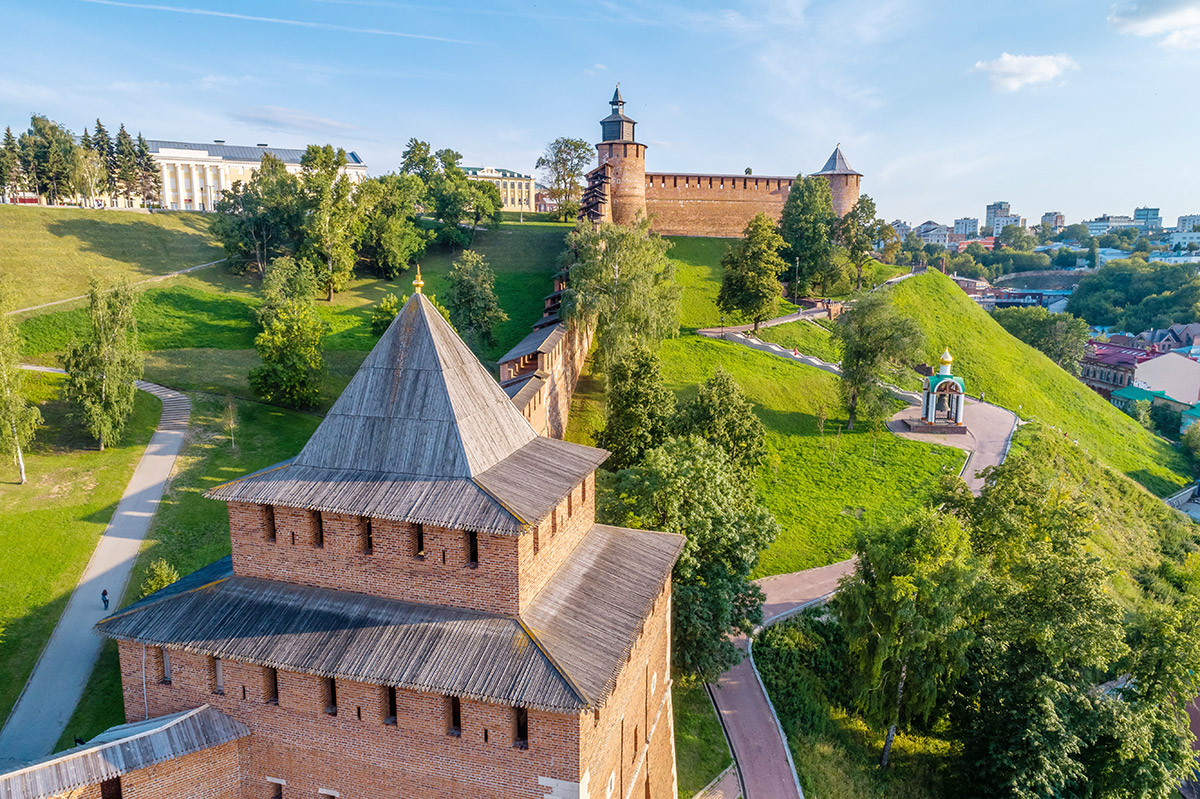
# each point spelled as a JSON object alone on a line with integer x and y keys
{"x": 18, "y": 419}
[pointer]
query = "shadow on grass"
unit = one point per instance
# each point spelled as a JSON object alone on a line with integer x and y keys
{"x": 137, "y": 240}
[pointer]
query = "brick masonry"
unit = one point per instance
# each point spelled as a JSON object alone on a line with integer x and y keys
{"x": 712, "y": 205}
{"x": 208, "y": 774}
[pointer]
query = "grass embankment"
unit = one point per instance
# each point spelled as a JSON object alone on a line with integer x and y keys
{"x": 1022, "y": 379}
{"x": 701, "y": 753}
{"x": 49, "y": 526}
{"x": 198, "y": 330}
{"x": 807, "y": 337}
{"x": 51, "y": 253}
{"x": 821, "y": 487}
{"x": 190, "y": 531}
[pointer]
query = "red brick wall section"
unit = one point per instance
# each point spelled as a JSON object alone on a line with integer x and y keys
{"x": 712, "y": 205}
{"x": 633, "y": 740}
{"x": 390, "y": 570}
{"x": 208, "y": 774}
{"x": 355, "y": 752}
{"x": 556, "y": 538}
{"x": 627, "y": 192}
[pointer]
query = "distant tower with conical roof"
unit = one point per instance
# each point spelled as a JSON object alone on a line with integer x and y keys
{"x": 844, "y": 181}
{"x": 627, "y": 186}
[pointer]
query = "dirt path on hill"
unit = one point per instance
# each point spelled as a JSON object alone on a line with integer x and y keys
{"x": 54, "y": 688}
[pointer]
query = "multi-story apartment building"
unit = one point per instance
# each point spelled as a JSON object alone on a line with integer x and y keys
{"x": 518, "y": 192}
{"x": 967, "y": 227}
{"x": 1055, "y": 220}
{"x": 1188, "y": 223}
{"x": 1147, "y": 220}
{"x": 419, "y": 604}
{"x": 994, "y": 210}
{"x": 1002, "y": 221}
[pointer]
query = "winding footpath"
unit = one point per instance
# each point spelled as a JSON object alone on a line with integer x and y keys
{"x": 54, "y": 688}
{"x": 761, "y": 754}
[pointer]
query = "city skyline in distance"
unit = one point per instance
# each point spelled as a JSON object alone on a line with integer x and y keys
{"x": 1075, "y": 108}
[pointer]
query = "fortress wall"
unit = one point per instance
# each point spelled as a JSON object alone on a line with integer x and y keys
{"x": 712, "y": 205}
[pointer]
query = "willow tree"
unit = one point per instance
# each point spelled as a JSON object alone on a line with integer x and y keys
{"x": 18, "y": 419}
{"x": 621, "y": 281}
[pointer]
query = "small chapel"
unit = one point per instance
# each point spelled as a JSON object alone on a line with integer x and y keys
{"x": 943, "y": 396}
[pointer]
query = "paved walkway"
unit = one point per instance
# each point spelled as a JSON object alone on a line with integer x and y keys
{"x": 154, "y": 279}
{"x": 53, "y": 690}
{"x": 725, "y": 786}
{"x": 990, "y": 429}
{"x": 759, "y": 746}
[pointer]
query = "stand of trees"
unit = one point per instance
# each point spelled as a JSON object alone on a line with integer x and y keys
{"x": 46, "y": 160}
{"x": 564, "y": 164}
{"x": 1061, "y": 336}
{"x": 1134, "y": 295}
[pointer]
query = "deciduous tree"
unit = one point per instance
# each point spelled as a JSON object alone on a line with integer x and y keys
{"x": 563, "y": 165}
{"x": 329, "y": 216}
{"x": 260, "y": 220}
{"x": 293, "y": 360}
{"x": 752, "y": 268}
{"x": 688, "y": 486}
{"x": 1061, "y": 336}
{"x": 807, "y": 224}
{"x": 389, "y": 237}
{"x": 638, "y": 409}
{"x": 621, "y": 282}
{"x": 906, "y": 612}
{"x": 104, "y": 366}
{"x": 18, "y": 418}
{"x": 872, "y": 336}
{"x": 474, "y": 307}
{"x": 287, "y": 281}
{"x": 722, "y": 416}
{"x": 858, "y": 231}
{"x": 47, "y": 156}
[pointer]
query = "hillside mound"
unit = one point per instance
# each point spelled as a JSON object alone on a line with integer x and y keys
{"x": 1018, "y": 377}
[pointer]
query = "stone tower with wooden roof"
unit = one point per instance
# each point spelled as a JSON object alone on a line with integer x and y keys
{"x": 844, "y": 181}
{"x": 420, "y": 603}
{"x": 620, "y": 176}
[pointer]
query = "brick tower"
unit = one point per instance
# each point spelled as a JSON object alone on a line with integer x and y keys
{"x": 421, "y": 604}
{"x": 844, "y": 181}
{"x": 627, "y": 179}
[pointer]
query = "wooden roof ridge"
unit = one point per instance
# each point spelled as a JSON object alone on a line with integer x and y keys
{"x": 554, "y": 664}
{"x": 421, "y": 404}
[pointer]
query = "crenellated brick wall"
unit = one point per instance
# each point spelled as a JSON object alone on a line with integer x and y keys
{"x": 712, "y": 205}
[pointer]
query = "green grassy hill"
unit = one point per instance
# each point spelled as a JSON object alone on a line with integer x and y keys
{"x": 51, "y": 253}
{"x": 1017, "y": 376}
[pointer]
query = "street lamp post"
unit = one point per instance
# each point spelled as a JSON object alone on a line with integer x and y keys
{"x": 722, "y": 325}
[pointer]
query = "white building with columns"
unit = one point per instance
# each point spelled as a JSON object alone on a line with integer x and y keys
{"x": 194, "y": 176}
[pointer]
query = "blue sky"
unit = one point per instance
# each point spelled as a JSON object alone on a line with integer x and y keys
{"x": 1082, "y": 107}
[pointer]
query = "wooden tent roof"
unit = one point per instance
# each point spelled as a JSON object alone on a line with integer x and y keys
{"x": 120, "y": 750}
{"x": 419, "y": 435}
{"x": 562, "y": 655}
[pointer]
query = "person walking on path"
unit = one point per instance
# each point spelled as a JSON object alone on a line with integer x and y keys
{"x": 104, "y": 598}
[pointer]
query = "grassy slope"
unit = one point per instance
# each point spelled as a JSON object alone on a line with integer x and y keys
{"x": 1019, "y": 377}
{"x": 69, "y": 246}
{"x": 808, "y": 337}
{"x": 701, "y": 752}
{"x": 50, "y": 525}
{"x": 188, "y": 530}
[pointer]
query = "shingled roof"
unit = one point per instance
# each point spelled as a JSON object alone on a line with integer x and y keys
{"x": 562, "y": 655}
{"x": 837, "y": 164}
{"x": 413, "y": 437}
{"x": 120, "y": 750}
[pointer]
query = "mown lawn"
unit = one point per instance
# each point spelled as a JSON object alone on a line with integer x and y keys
{"x": 50, "y": 525}
{"x": 807, "y": 337}
{"x": 701, "y": 752}
{"x": 190, "y": 531}
{"x": 51, "y": 253}
{"x": 1017, "y": 376}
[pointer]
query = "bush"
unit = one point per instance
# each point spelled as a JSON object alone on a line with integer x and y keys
{"x": 383, "y": 314}
{"x": 158, "y": 576}
{"x": 803, "y": 660}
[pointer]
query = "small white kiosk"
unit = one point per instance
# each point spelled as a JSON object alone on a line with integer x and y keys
{"x": 943, "y": 396}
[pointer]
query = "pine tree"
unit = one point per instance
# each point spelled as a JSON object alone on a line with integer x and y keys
{"x": 10, "y": 164}
{"x": 149, "y": 175}
{"x": 102, "y": 144}
{"x": 85, "y": 141}
{"x": 126, "y": 162}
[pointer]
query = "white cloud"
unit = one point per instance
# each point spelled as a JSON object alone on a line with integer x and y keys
{"x": 290, "y": 120}
{"x": 1009, "y": 72}
{"x": 1178, "y": 23}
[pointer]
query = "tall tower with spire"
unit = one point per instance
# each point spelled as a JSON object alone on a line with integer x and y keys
{"x": 627, "y": 158}
{"x": 844, "y": 181}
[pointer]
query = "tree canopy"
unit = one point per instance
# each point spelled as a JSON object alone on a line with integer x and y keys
{"x": 474, "y": 308}
{"x": 563, "y": 165}
{"x": 1133, "y": 295}
{"x": 872, "y": 336}
{"x": 19, "y": 419}
{"x": 858, "y": 231}
{"x": 639, "y": 411}
{"x": 1061, "y": 336}
{"x": 752, "y": 267}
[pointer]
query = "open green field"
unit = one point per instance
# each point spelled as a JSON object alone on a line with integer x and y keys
{"x": 190, "y": 531}
{"x": 50, "y": 525}
{"x": 1018, "y": 377}
{"x": 51, "y": 253}
{"x": 701, "y": 752}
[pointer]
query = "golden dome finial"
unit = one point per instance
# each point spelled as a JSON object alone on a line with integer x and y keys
{"x": 947, "y": 358}
{"x": 418, "y": 283}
